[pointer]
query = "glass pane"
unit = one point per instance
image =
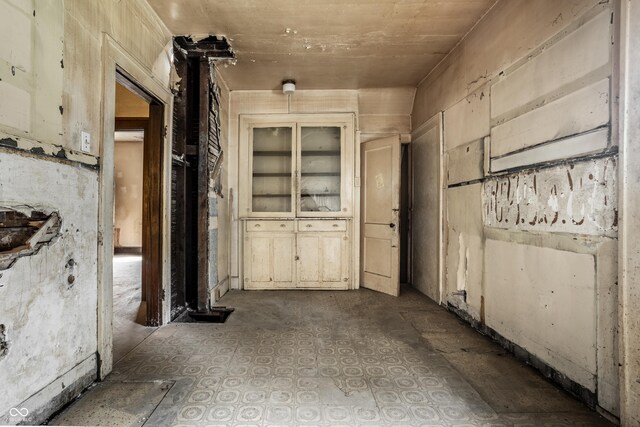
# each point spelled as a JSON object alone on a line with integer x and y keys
{"x": 272, "y": 169}
{"x": 320, "y": 169}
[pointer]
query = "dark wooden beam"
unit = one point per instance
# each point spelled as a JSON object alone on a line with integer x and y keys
{"x": 203, "y": 187}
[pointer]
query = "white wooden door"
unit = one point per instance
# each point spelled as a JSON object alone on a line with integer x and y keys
{"x": 380, "y": 234}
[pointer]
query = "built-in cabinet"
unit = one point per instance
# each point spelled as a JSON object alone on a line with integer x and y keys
{"x": 296, "y": 201}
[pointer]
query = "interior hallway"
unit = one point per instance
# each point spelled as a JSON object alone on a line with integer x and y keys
{"x": 325, "y": 358}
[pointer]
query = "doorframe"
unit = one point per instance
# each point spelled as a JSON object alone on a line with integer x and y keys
{"x": 115, "y": 58}
{"x": 437, "y": 122}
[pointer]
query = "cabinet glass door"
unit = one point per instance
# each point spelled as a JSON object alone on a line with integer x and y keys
{"x": 272, "y": 178}
{"x": 320, "y": 169}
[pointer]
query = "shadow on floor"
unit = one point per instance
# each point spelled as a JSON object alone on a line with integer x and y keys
{"x": 128, "y": 311}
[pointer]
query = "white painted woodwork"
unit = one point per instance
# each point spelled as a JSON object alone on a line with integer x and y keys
{"x": 269, "y": 260}
{"x": 260, "y": 225}
{"x": 474, "y": 112}
{"x": 586, "y": 143}
{"x": 316, "y": 165}
{"x": 581, "y": 111}
{"x": 323, "y": 260}
{"x": 580, "y": 53}
{"x": 311, "y": 254}
{"x": 322, "y": 225}
{"x": 427, "y": 209}
{"x": 465, "y": 163}
{"x": 298, "y": 247}
{"x": 380, "y": 252}
{"x": 561, "y": 334}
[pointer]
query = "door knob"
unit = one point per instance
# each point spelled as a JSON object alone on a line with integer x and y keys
{"x": 392, "y": 225}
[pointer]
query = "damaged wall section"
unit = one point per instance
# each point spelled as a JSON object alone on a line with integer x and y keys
{"x": 50, "y": 66}
{"x": 23, "y": 231}
{"x": 530, "y": 173}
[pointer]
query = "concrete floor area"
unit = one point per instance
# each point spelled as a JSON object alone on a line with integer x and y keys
{"x": 127, "y": 293}
{"x": 325, "y": 358}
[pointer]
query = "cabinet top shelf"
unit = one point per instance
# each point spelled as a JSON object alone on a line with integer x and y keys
{"x": 320, "y": 153}
{"x": 272, "y": 195}
{"x": 272, "y": 153}
{"x": 271, "y": 174}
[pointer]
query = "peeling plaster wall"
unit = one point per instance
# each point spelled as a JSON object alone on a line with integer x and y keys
{"x": 51, "y": 79}
{"x": 48, "y": 300}
{"x": 380, "y": 112}
{"x": 530, "y": 183}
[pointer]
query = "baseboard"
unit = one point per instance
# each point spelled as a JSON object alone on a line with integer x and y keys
{"x": 127, "y": 250}
{"x": 52, "y": 398}
{"x": 580, "y": 392}
{"x": 218, "y": 291}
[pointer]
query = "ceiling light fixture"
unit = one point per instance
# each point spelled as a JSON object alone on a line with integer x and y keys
{"x": 288, "y": 87}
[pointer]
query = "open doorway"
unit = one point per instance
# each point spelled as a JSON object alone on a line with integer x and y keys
{"x": 137, "y": 209}
{"x": 129, "y": 311}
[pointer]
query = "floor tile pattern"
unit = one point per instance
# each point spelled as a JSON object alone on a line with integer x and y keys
{"x": 355, "y": 358}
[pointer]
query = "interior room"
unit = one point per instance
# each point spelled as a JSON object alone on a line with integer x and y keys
{"x": 393, "y": 212}
{"x": 129, "y": 310}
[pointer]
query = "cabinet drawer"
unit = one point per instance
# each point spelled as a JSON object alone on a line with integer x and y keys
{"x": 322, "y": 225}
{"x": 269, "y": 225}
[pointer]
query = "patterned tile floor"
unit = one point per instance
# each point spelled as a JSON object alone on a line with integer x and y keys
{"x": 339, "y": 359}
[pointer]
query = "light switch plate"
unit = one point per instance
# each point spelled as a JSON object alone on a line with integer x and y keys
{"x": 86, "y": 142}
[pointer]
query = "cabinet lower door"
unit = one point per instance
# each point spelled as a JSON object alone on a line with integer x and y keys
{"x": 269, "y": 260}
{"x": 323, "y": 261}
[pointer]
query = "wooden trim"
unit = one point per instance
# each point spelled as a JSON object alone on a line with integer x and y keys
{"x": 131, "y": 123}
{"x": 127, "y": 250}
{"x": 152, "y": 209}
{"x": 115, "y": 56}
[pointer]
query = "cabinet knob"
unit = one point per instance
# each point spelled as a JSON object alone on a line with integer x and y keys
{"x": 335, "y": 225}
{"x": 257, "y": 225}
{"x": 282, "y": 225}
{"x": 309, "y": 226}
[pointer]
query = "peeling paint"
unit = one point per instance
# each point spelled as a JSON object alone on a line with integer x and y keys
{"x": 576, "y": 198}
{"x": 51, "y": 151}
{"x": 8, "y": 142}
{"x": 4, "y": 341}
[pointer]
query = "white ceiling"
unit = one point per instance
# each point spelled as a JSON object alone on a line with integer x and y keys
{"x": 327, "y": 44}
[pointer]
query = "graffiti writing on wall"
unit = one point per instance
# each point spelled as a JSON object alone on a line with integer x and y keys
{"x": 578, "y": 198}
